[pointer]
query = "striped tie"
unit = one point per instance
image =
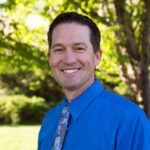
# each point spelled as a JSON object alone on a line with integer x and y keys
{"x": 61, "y": 130}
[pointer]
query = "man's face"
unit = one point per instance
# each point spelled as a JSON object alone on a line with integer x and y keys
{"x": 71, "y": 57}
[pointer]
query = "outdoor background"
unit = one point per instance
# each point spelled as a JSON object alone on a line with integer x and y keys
{"x": 27, "y": 89}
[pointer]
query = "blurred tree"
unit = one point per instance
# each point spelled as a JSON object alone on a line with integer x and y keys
{"x": 24, "y": 67}
{"x": 125, "y": 28}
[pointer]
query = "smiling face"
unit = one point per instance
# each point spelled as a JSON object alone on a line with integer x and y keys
{"x": 72, "y": 58}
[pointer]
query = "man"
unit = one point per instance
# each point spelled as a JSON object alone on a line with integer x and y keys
{"x": 95, "y": 118}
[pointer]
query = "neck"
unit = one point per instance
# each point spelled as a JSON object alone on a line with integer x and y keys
{"x": 71, "y": 94}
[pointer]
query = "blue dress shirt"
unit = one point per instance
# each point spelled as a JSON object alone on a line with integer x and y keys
{"x": 100, "y": 120}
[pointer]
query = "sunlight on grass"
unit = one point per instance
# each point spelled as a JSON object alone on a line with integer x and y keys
{"x": 19, "y": 137}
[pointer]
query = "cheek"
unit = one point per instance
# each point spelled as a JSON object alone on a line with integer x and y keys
{"x": 88, "y": 62}
{"x": 54, "y": 62}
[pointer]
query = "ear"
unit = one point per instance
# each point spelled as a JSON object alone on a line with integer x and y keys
{"x": 98, "y": 55}
{"x": 48, "y": 56}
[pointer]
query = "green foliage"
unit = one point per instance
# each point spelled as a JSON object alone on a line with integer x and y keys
{"x": 24, "y": 67}
{"x": 21, "y": 109}
{"x": 22, "y": 40}
{"x": 31, "y": 83}
{"x": 108, "y": 69}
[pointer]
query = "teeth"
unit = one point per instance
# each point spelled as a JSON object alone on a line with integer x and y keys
{"x": 70, "y": 71}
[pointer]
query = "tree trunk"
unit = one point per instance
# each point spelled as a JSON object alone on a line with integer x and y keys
{"x": 138, "y": 52}
{"x": 145, "y": 58}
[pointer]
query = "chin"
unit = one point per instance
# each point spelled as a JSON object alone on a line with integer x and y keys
{"x": 70, "y": 87}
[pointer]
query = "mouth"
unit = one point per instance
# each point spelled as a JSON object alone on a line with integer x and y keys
{"x": 69, "y": 71}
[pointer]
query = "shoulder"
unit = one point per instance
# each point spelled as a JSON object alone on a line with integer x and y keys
{"x": 52, "y": 113}
{"x": 50, "y": 119}
{"x": 121, "y": 105}
{"x": 124, "y": 115}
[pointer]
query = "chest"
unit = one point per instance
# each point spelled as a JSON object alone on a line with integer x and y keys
{"x": 89, "y": 132}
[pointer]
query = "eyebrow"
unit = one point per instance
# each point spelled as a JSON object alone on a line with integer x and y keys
{"x": 57, "y": 44}
{"x": 80, "y": 44}
{"x": 74, "y": 44}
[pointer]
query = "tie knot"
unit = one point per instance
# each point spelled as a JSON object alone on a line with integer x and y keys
{"x": 66, "y": 112}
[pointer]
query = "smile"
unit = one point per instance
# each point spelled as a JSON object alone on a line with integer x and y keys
{"x": 70, "y": 70}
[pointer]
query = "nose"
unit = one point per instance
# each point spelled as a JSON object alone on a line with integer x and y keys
{"x": 69, "y": 57}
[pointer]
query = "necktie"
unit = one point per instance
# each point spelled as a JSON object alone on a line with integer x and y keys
{"x": 61, "y": 130}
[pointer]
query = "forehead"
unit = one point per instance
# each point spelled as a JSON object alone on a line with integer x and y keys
{"x": 71, "y": 31}
{"x": 71, "y": 24}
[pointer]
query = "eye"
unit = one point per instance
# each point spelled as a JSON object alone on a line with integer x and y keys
{"x": 79, "y": 49}
{"x": 58, "y": 50}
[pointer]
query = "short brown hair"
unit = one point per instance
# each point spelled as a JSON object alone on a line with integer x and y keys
{"x": 67, "y": 17}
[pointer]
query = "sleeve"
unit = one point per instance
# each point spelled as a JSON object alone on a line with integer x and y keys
{"x": 41, "y": 132}
{"x": 134, "y": 134}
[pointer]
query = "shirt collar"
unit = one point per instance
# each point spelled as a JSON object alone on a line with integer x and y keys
{"x": 78, "y": 104}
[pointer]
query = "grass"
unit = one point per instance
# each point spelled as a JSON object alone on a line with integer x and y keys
{"x": 22, "y": 137}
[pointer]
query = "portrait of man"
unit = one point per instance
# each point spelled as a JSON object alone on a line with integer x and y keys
{"x": 89, "y": 117}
